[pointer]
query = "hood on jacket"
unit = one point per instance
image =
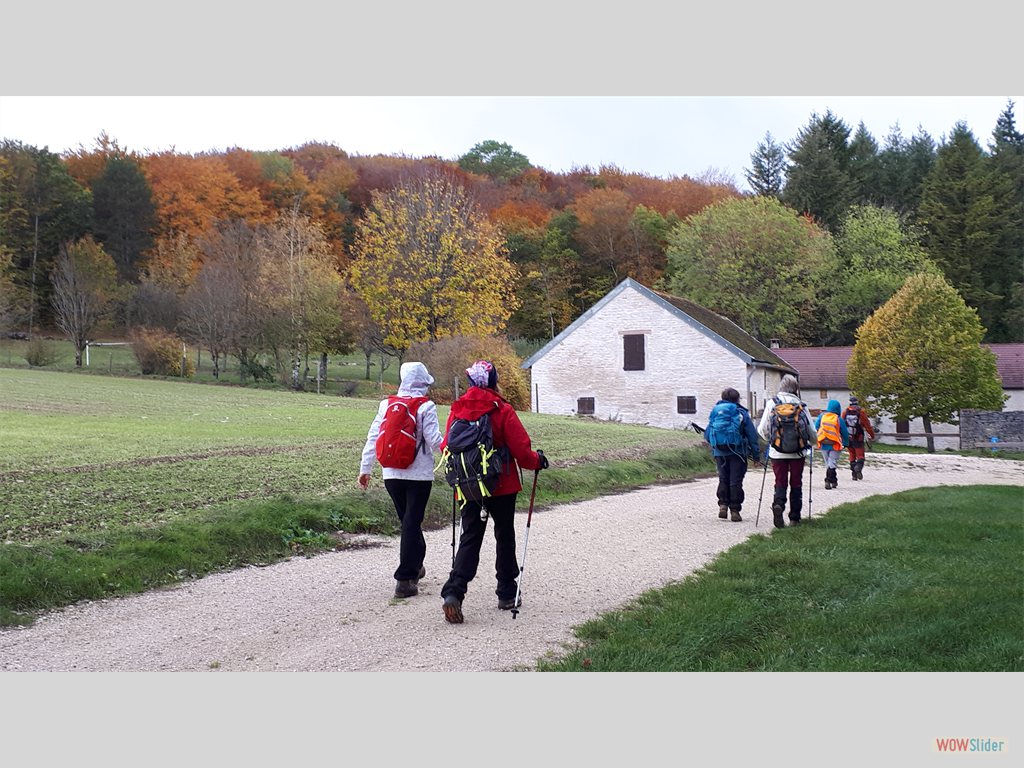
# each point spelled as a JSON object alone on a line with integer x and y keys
{"x": 475, "y": 402}
{"x": 833, "y": 407}
{"x": 415, "y": 380}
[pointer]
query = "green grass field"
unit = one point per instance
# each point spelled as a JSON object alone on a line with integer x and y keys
{"x": 344, "y": 372}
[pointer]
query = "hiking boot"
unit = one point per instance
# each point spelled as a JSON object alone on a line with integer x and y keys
{"x": 510, "y": 603}
{"x": 794, "y": 521}
{"x": 777, "y": 510}
{"x": 736, "y": 517}
{"x": 723, "y": 511}
{"x": 452, "y": 608}
{"x": 406, "y": 588}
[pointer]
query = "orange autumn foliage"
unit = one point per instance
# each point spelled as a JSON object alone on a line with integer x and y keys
{"x": 193, "y": 192}
{"x": 516, "y": 215}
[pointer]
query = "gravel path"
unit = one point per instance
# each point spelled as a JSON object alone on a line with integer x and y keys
{"x": 335, "y": 612}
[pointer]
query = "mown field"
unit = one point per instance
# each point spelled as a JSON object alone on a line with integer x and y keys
{"x": 80, "y": 453}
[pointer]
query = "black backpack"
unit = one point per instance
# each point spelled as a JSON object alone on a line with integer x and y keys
{"x": 472, "y": 464}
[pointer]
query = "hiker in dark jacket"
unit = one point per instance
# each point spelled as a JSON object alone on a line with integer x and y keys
{"x": 861, "y": 435}
{"x": 483, "y": 397}
{"x": 731, "y": 453}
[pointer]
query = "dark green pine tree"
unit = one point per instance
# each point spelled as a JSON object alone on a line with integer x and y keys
{"x": 47, "y": 208}
{"x": 767, "y": 173}
{"x": 921, "y": 154}
{"x": 865, "y": 168}
{"x": 903, "y": 167}
{"x": 818, "y": 181}
{"x": 892, "y": 163}
{"x": 125, "y": 216}
{"x": 962, "y": 222}
{"x": 1004, "y": 274}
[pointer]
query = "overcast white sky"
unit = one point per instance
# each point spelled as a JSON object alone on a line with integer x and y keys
{"x": 662, "y": 136}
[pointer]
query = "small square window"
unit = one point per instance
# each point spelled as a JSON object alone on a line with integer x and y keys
{"x": 585, "y": 406}
{"x": 686, "y": 404}
{"x": 823, "y": 394}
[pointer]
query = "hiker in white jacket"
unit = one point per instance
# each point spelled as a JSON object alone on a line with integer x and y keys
{"x": 787, "y": 465}
{"x": 409, "y": 487}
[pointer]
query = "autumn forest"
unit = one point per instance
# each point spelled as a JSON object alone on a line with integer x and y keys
{"x": 277, "y": 258}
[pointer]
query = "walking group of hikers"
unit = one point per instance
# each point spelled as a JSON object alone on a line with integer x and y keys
{"x": 786, "y": 427}
{"x": 482, "y": 449}
{"x": 484, "y": 445}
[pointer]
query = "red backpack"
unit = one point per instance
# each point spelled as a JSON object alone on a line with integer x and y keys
{"x": 397, "y": 442}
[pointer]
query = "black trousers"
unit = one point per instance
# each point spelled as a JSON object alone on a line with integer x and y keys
{"x": 731, "y": 471}
{"x": 502, "y": 510}
{"x": 410, "y": 498}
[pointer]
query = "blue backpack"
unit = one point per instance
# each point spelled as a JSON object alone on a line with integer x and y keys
{"x": 725, "y": 426}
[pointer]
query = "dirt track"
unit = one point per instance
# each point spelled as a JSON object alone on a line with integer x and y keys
{"x": 335, "y": 612}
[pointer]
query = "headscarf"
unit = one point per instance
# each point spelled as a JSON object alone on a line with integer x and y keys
{"x": 482, "y": 374}
{"x": 415, "y": 380}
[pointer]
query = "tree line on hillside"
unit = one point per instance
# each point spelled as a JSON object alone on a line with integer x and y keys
{"x": 274, "y": 257}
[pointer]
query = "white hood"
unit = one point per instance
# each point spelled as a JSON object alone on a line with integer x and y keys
{"x": 415, "y": 379}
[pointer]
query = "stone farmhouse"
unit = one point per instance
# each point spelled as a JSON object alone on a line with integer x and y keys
{"x": 644, "y": 357}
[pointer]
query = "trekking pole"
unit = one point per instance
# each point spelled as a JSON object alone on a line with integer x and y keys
{"x": 764, "y": 460}
{"x": 454, "y": 493}
{"x": 526, "y": 541}
{"x": 810, "y": 486}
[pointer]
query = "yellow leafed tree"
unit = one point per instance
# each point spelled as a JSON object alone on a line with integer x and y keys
{"x": 430, "y": 265}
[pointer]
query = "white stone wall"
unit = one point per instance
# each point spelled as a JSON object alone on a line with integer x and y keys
{"x": 679, "y": 361}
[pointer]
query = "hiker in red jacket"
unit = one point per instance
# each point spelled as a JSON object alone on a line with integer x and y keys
{"x": 509, "y": 434}
{"x": 861, "y": 433}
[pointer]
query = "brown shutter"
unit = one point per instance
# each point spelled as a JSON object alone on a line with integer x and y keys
{"x": 633, "y": 352}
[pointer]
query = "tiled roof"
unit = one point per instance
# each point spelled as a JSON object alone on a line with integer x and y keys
{"x": 727, "y": 329}
{"x": 1010, "y": 362}
{"x": 819, "y": 367}
{"x": 825, "y": 367}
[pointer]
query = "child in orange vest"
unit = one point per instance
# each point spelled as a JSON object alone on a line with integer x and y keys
{"x": 832, "y": 438}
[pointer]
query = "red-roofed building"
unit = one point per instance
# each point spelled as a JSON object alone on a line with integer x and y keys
{"x": 823, "y": 377}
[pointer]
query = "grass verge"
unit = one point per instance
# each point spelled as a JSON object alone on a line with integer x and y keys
{"x": 923, "y": 580}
